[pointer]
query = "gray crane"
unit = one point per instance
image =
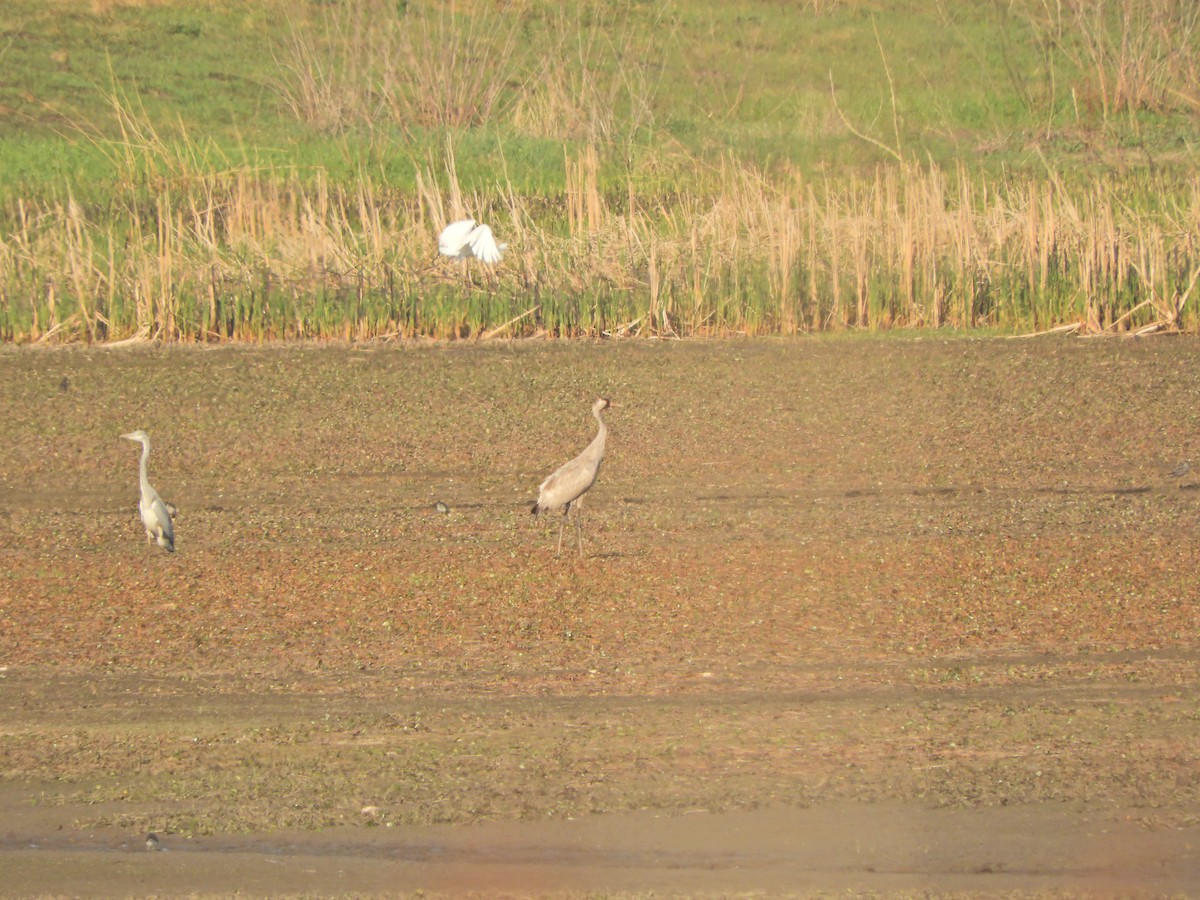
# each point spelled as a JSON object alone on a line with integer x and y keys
{"x": 566, "y": 487}
{"x": 156, "y": 515}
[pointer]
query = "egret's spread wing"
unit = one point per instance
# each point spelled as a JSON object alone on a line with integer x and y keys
{"x": 454, "y": 237}
{"x": 484, "y": 246}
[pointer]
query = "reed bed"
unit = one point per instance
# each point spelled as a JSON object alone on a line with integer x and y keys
{"x": 185, "y": 245}
{"x": 254, "y": 255}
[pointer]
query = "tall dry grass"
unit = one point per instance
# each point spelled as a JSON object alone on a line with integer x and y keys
{"x": 429, "y": 67}
{"x": 1126, "y": 55}
{"x": 249, "y": 254}
{"x": 354, "y": 64}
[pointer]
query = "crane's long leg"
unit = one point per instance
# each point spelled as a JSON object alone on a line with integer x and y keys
{"x": 562, "y": 522}
{"x": 579, "y": 525}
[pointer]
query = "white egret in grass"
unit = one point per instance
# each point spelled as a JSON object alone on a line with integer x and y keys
{"x": 566, "y": 487}
{"x": 156, "y": 514}
{"x": 465, "y": 238}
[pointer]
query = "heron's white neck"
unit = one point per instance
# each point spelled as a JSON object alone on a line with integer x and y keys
{"x": 143, "y": 477}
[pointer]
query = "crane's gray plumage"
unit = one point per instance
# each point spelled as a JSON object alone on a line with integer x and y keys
{"x": 566, "y": 487}
{"x": 156, "y": 515}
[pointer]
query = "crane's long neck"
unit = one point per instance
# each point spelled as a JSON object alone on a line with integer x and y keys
{"x": 596, "y": 448}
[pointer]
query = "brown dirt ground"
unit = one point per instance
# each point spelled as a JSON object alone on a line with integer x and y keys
{"x": 891, "y": 617}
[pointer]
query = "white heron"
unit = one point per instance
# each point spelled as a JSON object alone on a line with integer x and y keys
{"x": 566, "y": 487}
{"x": 464, "y": 239}
{"x": 156, "y": 515}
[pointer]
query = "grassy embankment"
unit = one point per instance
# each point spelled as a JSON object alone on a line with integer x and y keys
{"x": 201, "y": 172}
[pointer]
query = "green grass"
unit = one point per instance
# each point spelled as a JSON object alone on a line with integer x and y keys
{"x": 132, "y": 108}
{"x": 750, "y": 78}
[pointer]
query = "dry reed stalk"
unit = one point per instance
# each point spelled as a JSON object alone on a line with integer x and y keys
{"x": 163, "y": 297}
{"x": 1048, "y": 240}
{"x": 78, "y": 248}
{"x": 783, "y": 240}
{"x": 812, "y": 256}
{"x": 834, "y": 244}
{"x": 860, "y": 247}
{"x": 968, "y": 271}
{"x": 904, "y": 238}
{"x": 586, "y": 213}
{"x": 52, "y": 310}
{"x": 653, "y": 284}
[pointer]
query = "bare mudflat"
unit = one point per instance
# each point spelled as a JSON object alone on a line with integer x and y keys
{"x": 891, "y": 617}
